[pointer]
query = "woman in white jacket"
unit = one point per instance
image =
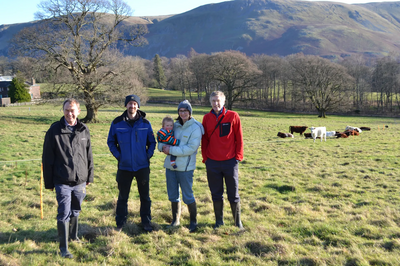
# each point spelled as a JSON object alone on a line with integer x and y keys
{"x": 189, "y": 132}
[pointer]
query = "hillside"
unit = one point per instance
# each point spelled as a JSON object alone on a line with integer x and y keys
{"x": 282, "y": 27}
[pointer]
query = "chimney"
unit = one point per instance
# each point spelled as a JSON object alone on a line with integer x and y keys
{"x": 33, "y": 81}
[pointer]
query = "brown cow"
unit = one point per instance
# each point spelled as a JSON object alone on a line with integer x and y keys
{"x": 341, "y": 135}
{"x": 297, "y": 129}
{"x": 307, "y": 135}
{"x": 351, "y": 133}
{"x": 285, "y": 135}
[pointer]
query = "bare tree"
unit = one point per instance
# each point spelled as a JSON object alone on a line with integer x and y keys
{"x": 79, "y": 36}
{"x": 235, "y": 71}
{"x": 28, "y": 66}
{"x": 199, "y": 67}
{"x": 326, "y": 83}
{"x": 385, "y": 81}
{"x": 356, "y": 66}
{"x": 5, "y": 66}
{"x": 180, "y": 75}
{"x": 272, "y": 78}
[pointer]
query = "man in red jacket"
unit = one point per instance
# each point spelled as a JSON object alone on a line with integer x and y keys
{"x": 222, "y": 149}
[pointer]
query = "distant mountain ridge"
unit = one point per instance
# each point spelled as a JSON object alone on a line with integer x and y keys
{"x": 281, "y": 27}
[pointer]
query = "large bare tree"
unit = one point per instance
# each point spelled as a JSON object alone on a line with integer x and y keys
{"x": 235, "y": 71}
{"x": 326, "y": 83}
{"x": 80, "y": 36}
{"x": 181, "y": 77}
{"x": 386, "y": 81}
{"x": 357, "y": 67}
{"x": 198, "y": 65}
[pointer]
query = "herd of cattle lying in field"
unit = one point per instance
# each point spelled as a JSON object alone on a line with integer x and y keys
{"x": 321, "y": 133}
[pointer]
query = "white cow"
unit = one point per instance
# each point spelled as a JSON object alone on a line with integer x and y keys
{"x": 353, "y": 128}
{"x": 330, "y": 133}
{"x": 318, "y": 132}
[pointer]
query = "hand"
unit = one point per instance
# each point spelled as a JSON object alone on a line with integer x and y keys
{"x": 87, "y": 183}
{"x": 52, "y": 189}
{"x": 165, "y": 149}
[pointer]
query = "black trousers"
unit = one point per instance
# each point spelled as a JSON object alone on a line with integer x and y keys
{"x": 217, "y": 171}
{"x": 124, "y": 179}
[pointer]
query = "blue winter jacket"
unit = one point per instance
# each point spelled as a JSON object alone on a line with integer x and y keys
{"x": 132, "y": 145}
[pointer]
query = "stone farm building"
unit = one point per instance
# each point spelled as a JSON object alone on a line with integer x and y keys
{"x": 5, "y": 81}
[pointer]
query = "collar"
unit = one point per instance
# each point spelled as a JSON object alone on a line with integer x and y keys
{"x": 66, "y": 123}
{"x": 223, "y": 110}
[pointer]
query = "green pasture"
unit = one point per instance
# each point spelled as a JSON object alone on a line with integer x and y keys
{"x": 303, "y": 203}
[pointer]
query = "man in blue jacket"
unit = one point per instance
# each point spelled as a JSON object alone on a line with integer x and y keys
{"x": 131, "y": 141}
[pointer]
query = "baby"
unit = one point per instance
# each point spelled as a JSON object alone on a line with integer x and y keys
{"x": 166, "y": 135}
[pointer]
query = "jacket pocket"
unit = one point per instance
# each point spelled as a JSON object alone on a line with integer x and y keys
{"x": 224, "y": 129}
{"x": 122, "y": 135}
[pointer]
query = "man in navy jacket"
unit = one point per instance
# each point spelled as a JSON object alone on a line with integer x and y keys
{"x": 131, "y": 141}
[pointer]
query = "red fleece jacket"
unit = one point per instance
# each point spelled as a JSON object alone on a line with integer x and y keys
{"x": 226, "y": 141}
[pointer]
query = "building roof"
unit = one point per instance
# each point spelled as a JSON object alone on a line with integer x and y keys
{"x": 6, "y": 78}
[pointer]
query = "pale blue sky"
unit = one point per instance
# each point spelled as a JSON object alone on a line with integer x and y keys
{"x": 17, "y": 11}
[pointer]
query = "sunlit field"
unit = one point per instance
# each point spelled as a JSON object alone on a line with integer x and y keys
{"x": 303, "y": 203}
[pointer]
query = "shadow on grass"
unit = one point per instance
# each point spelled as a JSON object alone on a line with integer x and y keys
{"x": 87, "y": 232}
{"x": 21, "y": 235}
{"x": 282, "y": 189}
{"x": 30, "y": 119}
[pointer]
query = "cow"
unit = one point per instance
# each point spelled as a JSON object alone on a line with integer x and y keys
{"x": 285, "y": 135}
{"x": 351, "y": 133}
{"x": 365, "y": 128}
{"x": 318, "y": 132}
{"x": 341, "y": 135}
{"x": 297, "y": 129}
{"x": 330, "y": 133}
{"x": 307, "y": 135}
{"x": 353, "y": 128}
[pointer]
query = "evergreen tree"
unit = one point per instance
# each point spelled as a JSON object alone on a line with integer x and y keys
{"x": 18, "y": 91}
{"x": 159, "y": 72}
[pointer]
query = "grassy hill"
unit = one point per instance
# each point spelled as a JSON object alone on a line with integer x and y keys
{"x": 278, "y": 27}
{"x": 282, "y": 27}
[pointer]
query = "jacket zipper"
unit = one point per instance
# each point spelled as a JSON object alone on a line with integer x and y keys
{"x": 188, "y": 162}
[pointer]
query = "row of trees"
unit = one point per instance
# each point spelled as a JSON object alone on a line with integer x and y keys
{"x": 81, "y": 44}
{"x": 302, "y": 83}
{"x": 296, "y": 82}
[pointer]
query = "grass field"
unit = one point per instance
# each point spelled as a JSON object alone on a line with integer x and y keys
{"x": 303, "y": 203}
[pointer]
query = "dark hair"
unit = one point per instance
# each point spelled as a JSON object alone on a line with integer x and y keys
{"x": 180, "y": 119}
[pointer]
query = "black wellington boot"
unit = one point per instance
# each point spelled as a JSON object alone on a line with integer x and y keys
{"x": 193, "y": 217}
{"x": 235, "y": 207}
{"x": 73, "y": 230}
{"x": 63, "y": 232}
{"x": 219, "y": 213}
{"x": 176, "y": 213}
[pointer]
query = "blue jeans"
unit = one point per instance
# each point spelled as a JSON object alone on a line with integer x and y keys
{"x": 184, "y": 179}
{"x": 69, "y": 200}
{"x": 124, "y": 179}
